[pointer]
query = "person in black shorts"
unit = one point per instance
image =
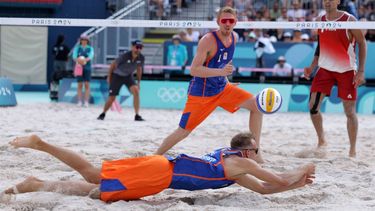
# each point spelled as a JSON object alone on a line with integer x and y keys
{"x": 121, "y": 72}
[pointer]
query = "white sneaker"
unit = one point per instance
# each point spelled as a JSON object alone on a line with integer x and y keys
{"x": 79, "y": 104}
{"x": 86, "y": 104}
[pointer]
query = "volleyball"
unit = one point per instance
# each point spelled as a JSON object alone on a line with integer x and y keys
{"x": 83, "y": 60}
{"x": 269, "y": 100}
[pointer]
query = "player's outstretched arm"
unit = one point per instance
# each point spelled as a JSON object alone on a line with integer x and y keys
{"x": 248, "y": 166}
{"x": 253, "y": 184}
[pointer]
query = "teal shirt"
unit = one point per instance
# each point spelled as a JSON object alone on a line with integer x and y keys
{"x": 76, "y": 52}
{"x": 87, "y": 52}
{"x": 177, "y": 55}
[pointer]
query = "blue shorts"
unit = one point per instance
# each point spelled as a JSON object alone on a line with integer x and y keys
{"x": 86, "y": 76}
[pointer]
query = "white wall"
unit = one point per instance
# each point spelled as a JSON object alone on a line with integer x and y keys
{"x": 23, "y": 54}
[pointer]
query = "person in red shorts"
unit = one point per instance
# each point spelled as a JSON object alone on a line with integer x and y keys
{"x": 209, "y": 88}
{"x": 134, "y": 178}
{"x": 336, "y": 57}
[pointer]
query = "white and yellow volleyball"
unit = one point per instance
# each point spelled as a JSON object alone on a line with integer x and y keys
{"x": 82, "y": 60}
{"x": 269, "y": 100}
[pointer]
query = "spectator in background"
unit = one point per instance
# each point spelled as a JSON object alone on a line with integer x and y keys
{"x": 296, "y": 13}
{"x": 177, "y": 53}
{"x": 362, "y": 12}
{"x": 261, "y": 46}
{"x": 192, "y": 35}
{"x": 160, "y": 8}
{"x": 275, "y": 11}
{"x": 60, "y": 54}
{"x": 352, "y": 9}
{"x": 252, "y": 37}
{"x": 370, "y": 36}
{"x": 282, "y": 68}
{"x": 83, "y": 54}
{"x": 305, "y": 38}
{"x": 283, "y": 16}
{"x": 229, "y": 3}
{"x": 242, "y": 7}
{"x": 287, "y": 37}
{"x": 184, "y": 37}
{"x": 297, "y": 36}
{"x": 370, "y": 12}
{"x": 179, "y": 4}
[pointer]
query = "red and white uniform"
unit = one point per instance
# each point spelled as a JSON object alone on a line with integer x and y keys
{"x": 337, "y": 52}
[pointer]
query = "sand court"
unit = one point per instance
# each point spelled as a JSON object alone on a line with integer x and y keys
{"x": 288, "y": 140}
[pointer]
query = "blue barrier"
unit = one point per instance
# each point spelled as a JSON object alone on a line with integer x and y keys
{"x": 299, "y": 55}
{"x": 99, "y": 92}
{"x": 172, "y": 95}
{"x": 7, "y": 96}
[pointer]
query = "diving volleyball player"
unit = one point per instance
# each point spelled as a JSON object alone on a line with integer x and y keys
{"x": 133, "y": 178}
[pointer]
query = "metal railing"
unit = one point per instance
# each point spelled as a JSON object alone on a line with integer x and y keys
{"x": 109, "y": 42}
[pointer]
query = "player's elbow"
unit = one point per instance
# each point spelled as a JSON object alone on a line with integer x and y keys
{"x": 263, "y": 190}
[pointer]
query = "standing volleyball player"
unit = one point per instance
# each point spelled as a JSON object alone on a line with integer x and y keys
{"x": 336, "y": 58}
{"x": 210, "y": 88}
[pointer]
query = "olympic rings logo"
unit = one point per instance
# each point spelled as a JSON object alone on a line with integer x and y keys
{"x": 171, "y": 94}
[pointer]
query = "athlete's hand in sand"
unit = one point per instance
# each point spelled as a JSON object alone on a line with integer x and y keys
{"x": 228, "y": 69}
{"x": 359, "y": 78}
{"x": 307, "y": 178}
{"x": 303, "y": 181}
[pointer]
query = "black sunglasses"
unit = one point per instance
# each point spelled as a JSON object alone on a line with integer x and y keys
{"x": 252, "y": 149}
{"x": 138, "y": 46}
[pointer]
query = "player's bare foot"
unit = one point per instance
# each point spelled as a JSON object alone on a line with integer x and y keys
{"x": 28, "y": 185}
{"x": 32, "y": 142}
{"x": 322, "y": 143}
{"x": 352, "y": 153}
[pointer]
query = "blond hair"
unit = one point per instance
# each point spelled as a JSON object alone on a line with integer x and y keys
{"x": 226, "y": 9}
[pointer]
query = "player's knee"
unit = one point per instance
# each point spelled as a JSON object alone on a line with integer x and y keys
{"x": 350, "y": 113}
{"x": 111, "y": 98}
{"x": 135, "y": 90}
{"x": 313, "y": 111}
{"x": 314, "y": 103}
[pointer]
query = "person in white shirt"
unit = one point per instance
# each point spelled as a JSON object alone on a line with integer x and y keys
{"x": 193, "y": 35}
{"x": 282, "y": 68}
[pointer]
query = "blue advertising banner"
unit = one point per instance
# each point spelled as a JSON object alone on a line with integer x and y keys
{"x": 99, "y": 92}
{"x": 299, "y": 55}
{"x": 173, "y": 95}
{"x": 7, "y": 96}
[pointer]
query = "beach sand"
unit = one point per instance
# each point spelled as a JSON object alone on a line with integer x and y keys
{"x": 288, "y": 140}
